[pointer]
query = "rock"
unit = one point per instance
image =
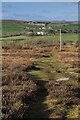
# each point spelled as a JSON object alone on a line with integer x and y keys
{"x": 62, "y": 79}
{"x": 59, "y": 71}
{"x": 64, "y": 43}
{"x": 46, "y": 55}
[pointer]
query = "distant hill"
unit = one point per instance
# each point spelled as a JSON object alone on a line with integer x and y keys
{"x": 17, "y": 26}
{"x": 12, "y": 26}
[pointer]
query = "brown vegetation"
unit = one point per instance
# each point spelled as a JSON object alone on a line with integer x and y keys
{"x": 19, "y": 91}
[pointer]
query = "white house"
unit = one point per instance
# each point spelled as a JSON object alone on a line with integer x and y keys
{"x": 40, "y": 33}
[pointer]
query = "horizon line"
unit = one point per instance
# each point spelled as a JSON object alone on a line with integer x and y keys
{"x": 42, "y": 20}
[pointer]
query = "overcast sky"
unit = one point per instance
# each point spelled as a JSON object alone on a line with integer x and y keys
{"x": 40, "y": 11}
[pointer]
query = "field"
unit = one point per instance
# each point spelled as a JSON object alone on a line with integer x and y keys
{"x": 39, "y": 80}
{"x": 11, "y": 27}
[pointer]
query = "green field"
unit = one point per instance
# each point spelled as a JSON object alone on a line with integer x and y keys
{"x": 13, "y": 26}
{"x": 64, "y": 26}
{"x": 26, "y": 42}
{"x": 65, "y": 37}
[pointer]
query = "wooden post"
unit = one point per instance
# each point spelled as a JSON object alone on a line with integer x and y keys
{"x": 60, "y": 40}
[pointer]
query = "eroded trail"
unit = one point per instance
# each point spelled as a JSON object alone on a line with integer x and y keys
{"x": 57, "y": 96}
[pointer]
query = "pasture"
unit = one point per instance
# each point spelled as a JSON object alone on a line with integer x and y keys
{"x": 25, "y": 42}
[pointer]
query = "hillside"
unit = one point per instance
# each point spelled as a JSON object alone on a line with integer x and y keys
{"x": 14, "y": 26}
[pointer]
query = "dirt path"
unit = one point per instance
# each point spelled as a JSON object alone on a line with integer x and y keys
{"x": 39, "y": 109}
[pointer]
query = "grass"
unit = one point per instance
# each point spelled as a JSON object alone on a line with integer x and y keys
{"x": 12, "y": 26}
{"x": 17, "y": 26}
{"x": 29, "y": 42}
{"x": 51, "y": 38}
{"x": 44, "y": 74}
{"x": 73, "y": 113}
{"x": 14, "y": 38}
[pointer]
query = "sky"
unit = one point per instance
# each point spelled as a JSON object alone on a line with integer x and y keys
{"x": 40, "y": 11}
{"x": 40, "y": 0}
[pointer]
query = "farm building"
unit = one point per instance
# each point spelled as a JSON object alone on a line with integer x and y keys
{"x": 40, "y": 33}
